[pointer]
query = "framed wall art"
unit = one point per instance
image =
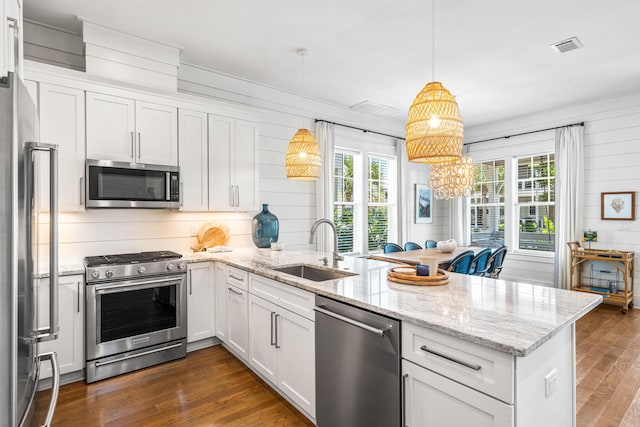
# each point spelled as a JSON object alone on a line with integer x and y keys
{"x": 618, "y": 206}
{"x": 424, "y": 204}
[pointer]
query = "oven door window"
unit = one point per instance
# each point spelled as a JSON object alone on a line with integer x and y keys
{"x": 110, "y": 183}
{"x": 137, "y": 311}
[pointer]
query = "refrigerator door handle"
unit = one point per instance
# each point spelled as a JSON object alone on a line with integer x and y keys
{"x": 55, "y": 388}
{"x": 50, "y": 333}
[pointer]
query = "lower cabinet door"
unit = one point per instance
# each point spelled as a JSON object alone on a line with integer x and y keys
{"x": 295, "y": 339}
{"x": 221, "y": 301}
{"x": 263, "y": 356}
{"x": 70, "y": 342}
{"x": 201, "y": 321}
{"x": 433, "y": 400}
{"x": 237, "y": 321}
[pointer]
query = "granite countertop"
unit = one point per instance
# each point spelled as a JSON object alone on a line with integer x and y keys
{"x": 511, "y": 317}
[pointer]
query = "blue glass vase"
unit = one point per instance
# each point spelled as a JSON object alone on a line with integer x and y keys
{"x": 265, "y": 227}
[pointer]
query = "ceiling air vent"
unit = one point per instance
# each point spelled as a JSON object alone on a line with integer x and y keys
{"x": 375, "y": 108}
{"x": 567, "y": 45}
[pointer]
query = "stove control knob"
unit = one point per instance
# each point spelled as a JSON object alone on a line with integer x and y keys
{"x": 170, "y": 267}
{"x": 109, "y": 274}
{"x": 182, "y": 266}
{"x": 95, "y": 274}
{"x": 141, "y": 269}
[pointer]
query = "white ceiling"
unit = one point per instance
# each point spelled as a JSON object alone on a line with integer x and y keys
{"x": 494, "y": 55}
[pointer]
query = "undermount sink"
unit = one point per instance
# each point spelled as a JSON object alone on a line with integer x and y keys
{"x": 315, "y": 274}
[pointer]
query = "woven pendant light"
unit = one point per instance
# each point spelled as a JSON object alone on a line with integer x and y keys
{"x": 303, "y": 157}
{"x": 303, "y": 154}
{"x": 453, "y": 179}
{"x": 434, "y": 128}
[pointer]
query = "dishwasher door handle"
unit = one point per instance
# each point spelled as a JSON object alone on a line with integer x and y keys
{"x": 377, "y": 331}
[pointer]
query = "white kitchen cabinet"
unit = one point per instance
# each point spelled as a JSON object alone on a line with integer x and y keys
{"x": 62, "y": 122}
{"x": 263, "y": 354}
{"x": 237, "y": 320}
{"x": 221, "y": 301}
{"x": 126, "y": 130}
{"x": 201, "y": 320}
{"x": 157, "y": 134}
{"x": 281, "y": 342}
{"x": 433, "y": 400}
{"x": 233, "y": 168}
{"x": 193, "y": 160}
{"x": 70, "y": 342}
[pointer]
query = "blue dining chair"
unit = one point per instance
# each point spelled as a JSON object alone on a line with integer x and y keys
{"x": 430, "y": 244}
{"x": 410, "y": 246}
{"x": 461, "y": 263}
{"x": 392, "y": 247}
{"x": 480, "y": 264}
{"x": 495, "y": 262}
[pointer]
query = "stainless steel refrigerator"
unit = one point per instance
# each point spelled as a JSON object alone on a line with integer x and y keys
{"x": 19, "y": 211}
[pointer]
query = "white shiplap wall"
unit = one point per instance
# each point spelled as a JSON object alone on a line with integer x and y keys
{"x": 612, "y": 155}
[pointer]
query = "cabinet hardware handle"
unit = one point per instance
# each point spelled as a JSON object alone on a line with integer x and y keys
{"x": 234, "y": 291}
{"x": 13, "y": 24}
{"x": 236, "y": 277}
{"x": 190, "y": 282}
{"x": 78, "y": 289}
{"x": 381, "y": 332}
{"x": 237, "y": 196}
{"x": 276, "y": 322}
{"x": 444, "y": 356}
{"x": 232, "y": 197}
{"x": 132, "y": 147}
{"x": 81, "y": 190}
{"x": 139, "y": 146}
{"x": 403, "y": 410}
{"x": 182, "y": 194}
{"x": 273, "y": 341}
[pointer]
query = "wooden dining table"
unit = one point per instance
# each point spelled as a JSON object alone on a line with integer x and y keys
{"x": 413, "y": 257}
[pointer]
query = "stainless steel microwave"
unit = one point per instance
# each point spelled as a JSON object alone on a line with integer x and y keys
{"x": 130, "y": 185}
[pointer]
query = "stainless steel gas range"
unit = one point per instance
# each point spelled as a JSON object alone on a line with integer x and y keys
{"x": 135, "y": 312}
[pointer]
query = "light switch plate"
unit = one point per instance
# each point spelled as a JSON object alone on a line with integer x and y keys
{"x": 550, "y": 383}
{"x": 194, "y": 229}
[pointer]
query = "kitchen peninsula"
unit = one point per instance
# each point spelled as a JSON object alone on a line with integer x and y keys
{"x": 516, "y": 341}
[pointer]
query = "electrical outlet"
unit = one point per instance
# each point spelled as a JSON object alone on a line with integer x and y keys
{"x": 194, "y": 229}
{"x": 550, "y": 383}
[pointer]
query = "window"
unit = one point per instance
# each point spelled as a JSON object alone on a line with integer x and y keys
{"x": 487, "y": 202}
{"x": 536, "y": 202}
{"x": 364, "y": 200}
{"x": 513, "y": 202}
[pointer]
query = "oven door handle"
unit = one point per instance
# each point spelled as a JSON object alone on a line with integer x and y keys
{"x": 135, "y": 285}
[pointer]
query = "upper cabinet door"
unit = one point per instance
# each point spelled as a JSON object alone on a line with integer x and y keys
{"x": 156, "y": 134}
{"x": 110, "y": 128}
{"x": 222, "y": 188}
{"x": 62, "y": 122}
{"x": 246, "y": 165}
{"x": 193, "y": 152}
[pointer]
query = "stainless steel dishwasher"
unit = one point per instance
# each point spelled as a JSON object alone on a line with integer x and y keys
{"x": 357, "y": 367}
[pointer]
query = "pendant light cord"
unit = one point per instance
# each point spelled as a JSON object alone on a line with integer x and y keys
{"x": 433, "y": 40}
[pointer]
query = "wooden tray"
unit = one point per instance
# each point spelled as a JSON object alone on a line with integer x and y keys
{"x": 408, "y": 276}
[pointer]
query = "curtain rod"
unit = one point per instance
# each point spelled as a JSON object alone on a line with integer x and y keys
{"x": 357, "y": 128}
{"x": 525, "y": 133}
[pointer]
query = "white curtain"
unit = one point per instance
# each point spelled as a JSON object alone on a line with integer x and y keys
{"x": 324, "y": 185}
{"x": 459, "y": 217}
{"x": 405, "y": 213}
{"x": 569, "y": 171}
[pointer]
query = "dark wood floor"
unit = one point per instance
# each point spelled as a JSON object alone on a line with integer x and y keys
{"x": 212, "y": 388}
{"x": 208, "y": 388}
{"x": 608, "y": 368}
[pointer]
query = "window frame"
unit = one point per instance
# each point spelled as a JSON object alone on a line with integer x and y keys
{"x": 510, "y": 151}
{"x": 362, "y": 151}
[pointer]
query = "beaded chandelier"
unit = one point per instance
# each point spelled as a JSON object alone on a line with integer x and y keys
{"x": 454, "y": 179}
